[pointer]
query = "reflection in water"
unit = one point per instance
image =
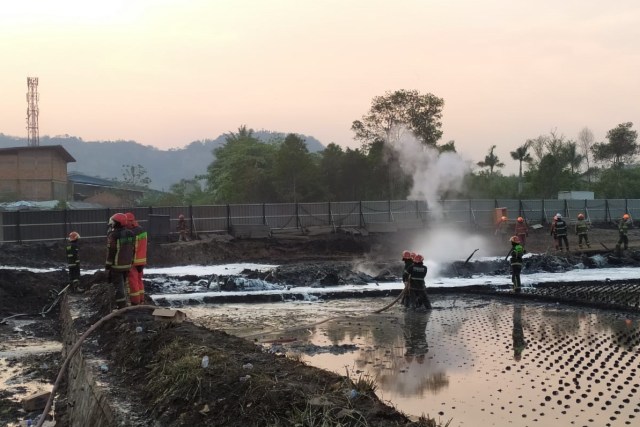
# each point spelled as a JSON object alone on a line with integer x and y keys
{"x": 519, "y": 343}
{"x": 495, "y": 363}
{"x": 416, "y": 348}
{"x": 415, "y": 335}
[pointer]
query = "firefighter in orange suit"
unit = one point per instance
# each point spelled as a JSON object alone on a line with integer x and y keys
{"x": 522, "y": 231}
{"x": 120, "y": 248}
{"x": 136, "y": 284}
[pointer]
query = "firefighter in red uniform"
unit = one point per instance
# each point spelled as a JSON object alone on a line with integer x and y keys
{"x": 182, "y": 229}
{"x": 136, "y": 285}
{"x": 522, "y": 231}
{"x": 120, "y": 247}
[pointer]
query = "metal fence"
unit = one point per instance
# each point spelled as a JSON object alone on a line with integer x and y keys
{"x": 51, "y": 225}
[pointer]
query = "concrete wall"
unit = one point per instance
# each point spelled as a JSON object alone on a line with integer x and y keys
{"x": 88, "y": 404}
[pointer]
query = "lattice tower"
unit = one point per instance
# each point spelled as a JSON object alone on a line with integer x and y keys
{"x": 33, "y": 138}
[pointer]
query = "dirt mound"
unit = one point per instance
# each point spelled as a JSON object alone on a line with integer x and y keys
{"x": 23, "y": 291}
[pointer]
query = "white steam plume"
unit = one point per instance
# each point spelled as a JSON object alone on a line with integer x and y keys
{"x": 435, "y": 174}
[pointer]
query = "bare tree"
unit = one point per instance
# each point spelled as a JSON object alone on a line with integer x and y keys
{"x": 586, "y": 140}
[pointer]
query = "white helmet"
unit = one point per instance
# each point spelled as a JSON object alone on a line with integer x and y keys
{"x": 558, "y": 216}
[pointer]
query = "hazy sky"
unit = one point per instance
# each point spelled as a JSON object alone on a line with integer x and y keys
{"x": 169, "y": 72}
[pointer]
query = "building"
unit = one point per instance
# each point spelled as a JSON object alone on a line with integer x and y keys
{"x": 103, "y": 192}
{"x": 575, "y": 195}
{"x": 34, "y": 173}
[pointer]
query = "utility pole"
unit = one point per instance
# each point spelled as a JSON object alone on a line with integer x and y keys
{"x": 33, "y": 138}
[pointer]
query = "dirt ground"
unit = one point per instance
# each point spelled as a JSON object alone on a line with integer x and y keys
{"x": 161, "y": 369}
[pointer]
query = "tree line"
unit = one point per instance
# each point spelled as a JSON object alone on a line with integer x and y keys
{"x": 248, "y": 170}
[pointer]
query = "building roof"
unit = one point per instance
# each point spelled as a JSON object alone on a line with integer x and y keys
{"x": 59, "y": 149}
{"x": 79, "y": 178}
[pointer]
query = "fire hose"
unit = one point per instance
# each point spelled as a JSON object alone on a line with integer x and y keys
{"x": 76, "y": 347}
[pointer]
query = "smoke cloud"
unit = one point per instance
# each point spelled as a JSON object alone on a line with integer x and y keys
{"x": 435, "y": 175}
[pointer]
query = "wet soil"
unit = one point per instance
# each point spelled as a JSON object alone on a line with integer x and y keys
{"x": 161, "y": 369}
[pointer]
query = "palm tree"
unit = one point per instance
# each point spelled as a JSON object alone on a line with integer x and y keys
{"x": 521, "y": 155}
{"x": 491, "y": 161}
{"x": 573, "y": 158}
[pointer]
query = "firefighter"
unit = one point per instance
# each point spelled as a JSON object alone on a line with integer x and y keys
{"x": 522, "y": 231}
{"x": 561, "y": 233}
{"x": 136, "y": 285}
{"x": 501, "y": 227}
{"x": 73, "y": 261}
{"x": 623, "y": 228}
{"x": 120, "y": 248}
{"x": 182, "y": 229}
{"x": 408, "y": 261}
{"x": 582, "y": 229}
{"x": 418, "y": 291}
{"x": 553, "y": 231}
{"x": 516, "y": 252}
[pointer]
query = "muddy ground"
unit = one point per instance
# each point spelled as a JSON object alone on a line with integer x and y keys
{"x": 163, "y": 369}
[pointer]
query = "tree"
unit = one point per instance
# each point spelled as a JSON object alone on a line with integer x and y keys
{"x": 554, "y": 166}
{"x": 491, "y": 161}
{"x": 395, "y": 112}
{"x": 331, "y": 172}
{"x": 586, "y": 140}
{"x": 242, "y": 170}
{"x": 622, "y": 146}
{"x": 356, "y": 174}
{"x": 295, "y": 174}
{"x": 135, "y": 176}
{"x": 387, "y": 178}
{"x": 572, "y": 157}
{"x": 521, "y": 154}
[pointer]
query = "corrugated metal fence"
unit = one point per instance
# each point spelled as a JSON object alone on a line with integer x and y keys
{"x": 31, "y": 226}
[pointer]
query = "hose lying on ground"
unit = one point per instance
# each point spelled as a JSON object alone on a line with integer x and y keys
{"x": 75, "y": 348}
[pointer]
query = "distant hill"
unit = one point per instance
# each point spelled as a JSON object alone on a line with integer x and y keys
{"x": 104, "y": 159}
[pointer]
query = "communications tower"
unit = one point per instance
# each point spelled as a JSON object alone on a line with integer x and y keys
{"x": 33, "y": 138}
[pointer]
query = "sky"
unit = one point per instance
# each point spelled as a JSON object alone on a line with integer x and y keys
{"x": 166, "y": 73}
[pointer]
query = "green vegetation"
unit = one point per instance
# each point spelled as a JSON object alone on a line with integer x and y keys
{"x": 248, "y": 170}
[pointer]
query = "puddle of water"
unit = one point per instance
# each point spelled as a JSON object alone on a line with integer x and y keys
{"x": 477, "y": 362}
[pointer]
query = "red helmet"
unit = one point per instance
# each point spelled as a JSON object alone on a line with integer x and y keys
{"x": 131, "y": 219}
{"x": 73, "y": 236}
{"x": 520, "y": 219}
{"x": 180, "y": 216}
{"x": 406, "y": 255}
{"x": 418, "y": 258}
{"x": 118, "y": 218}
{"x": 515, "y": 239}
{"x": 580, "y": 216}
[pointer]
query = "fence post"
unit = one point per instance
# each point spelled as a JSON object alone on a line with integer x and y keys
{"x": 65, "y": 226}
{"x": 329, "y": 216}
{"x": 297, "y": 216}
{"x": 471, "y": 221}
{"x": 626, "y": 205}
{"x": 228, "y": 218}
{"x": 542, "y": 215}
{"x": 566, "y": 209}
{"x": 607, "y": 214}
{"x": 18, "y": 234}
{"x": 264, "y": 214}
{"x": 360, "y": 218}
